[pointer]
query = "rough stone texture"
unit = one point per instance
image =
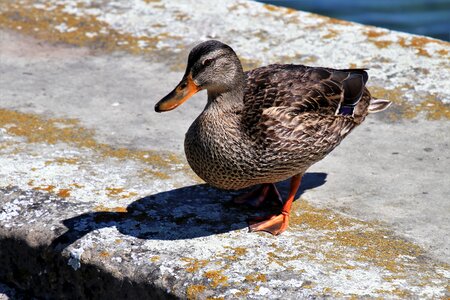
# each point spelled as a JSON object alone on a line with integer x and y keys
{"x": 96, "y": 195}
{"x": 7, "y": 292}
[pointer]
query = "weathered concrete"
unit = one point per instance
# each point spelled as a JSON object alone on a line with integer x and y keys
{"x": 96, "y": 194}
{"x": 8, "y": 292}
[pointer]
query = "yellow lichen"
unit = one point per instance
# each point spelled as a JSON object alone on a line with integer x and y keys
{"x": 442, "y": 52}
{"x": 194, "y": 264}
{"x": 375, "y": 33}
{"x": 76, "y": 185}
{"x": 313, "y": 217}
{"x": 62, "y": 160}
{"x": 155, "y": 258}
{"x": 114, "y": 191}
{"x": 401, "y": 293}
{"x": 193, "y": 291}
{"x": 433, "y": 109}
{"x": 49, "y": 130}
{"x": 308, "y": 285}
{"x": 102, "y": 208}
{"x": 430, "y": 106}
{"x": 382, "y": 44}
{"x": 391, "y": 278}
{"x": 283, "y": 10}
{"x": 156, "y": 174}
{"x": 272, "y": 8}
{"x": 373, "y": 37}
{"x": 378, "y": 247}
{"x": 48, "y": 188}
{"x": 272, "y": 257}
{"x": 119, "y": 193}
{"x": 256, "y": 277}
{"x": 242, "y": 293}
{"x": 339, "y": 241}
{"x": 216, "y": 278}
{"x": 419, "y": 42}
{"x": 237, "y": 252}
{"x": 104, "y": 254}
{"x": 328, "y": 20}
{"x": 182, "y": 17}
{"x": 331, "y": 34}
{"x": 64, "y": 193}
{"x": 85, "y": 30}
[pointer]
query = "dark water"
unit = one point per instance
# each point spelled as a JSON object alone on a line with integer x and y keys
{"x": 425, "y": 17}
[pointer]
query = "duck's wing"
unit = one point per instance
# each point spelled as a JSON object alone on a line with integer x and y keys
{"x": 284, "y": 101}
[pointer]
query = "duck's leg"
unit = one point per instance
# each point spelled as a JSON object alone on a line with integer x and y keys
{"x": 276, "y": 224}
{"x": 267, "y": 192}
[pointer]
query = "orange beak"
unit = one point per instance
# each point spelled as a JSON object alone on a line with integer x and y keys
{"x": 184, "y": 90}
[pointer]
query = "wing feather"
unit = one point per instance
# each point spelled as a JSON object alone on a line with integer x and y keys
{"x": 285, "y": 104}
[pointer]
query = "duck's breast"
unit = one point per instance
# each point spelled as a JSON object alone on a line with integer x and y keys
{"x": 219, "y": 152}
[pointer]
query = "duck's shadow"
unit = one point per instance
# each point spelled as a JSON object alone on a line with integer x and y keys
{"x": 183, "y": 213}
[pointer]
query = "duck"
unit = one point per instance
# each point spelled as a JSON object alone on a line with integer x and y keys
{"x": 266, "y": 125}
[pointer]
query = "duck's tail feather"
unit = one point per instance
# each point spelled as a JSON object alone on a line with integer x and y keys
{"x": 353, "y": 91}
{"x": 377, "y": 105}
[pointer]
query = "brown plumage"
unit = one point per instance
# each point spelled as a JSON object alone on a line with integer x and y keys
{"x": 268, "y": 124}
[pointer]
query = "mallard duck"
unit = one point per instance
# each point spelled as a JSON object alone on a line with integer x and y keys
{"x": 266, "y": 125}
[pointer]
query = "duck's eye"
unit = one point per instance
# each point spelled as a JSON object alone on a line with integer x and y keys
{"x": 207, "y": 62}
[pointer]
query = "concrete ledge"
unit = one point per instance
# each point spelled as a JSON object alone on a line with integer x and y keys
{"x": 97, "y": 200}
{"x": 8, "y": 292}
{"x": 48, "y": 272}
{"x": 201, "y": 249}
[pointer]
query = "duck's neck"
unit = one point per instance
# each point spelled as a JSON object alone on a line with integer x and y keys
{"x": 229, "y": 100}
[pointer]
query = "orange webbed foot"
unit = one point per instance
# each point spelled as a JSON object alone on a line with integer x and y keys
{"x": 274, "y": 224}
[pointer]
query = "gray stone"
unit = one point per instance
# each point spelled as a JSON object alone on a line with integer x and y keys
{"x": 97, "y": 200}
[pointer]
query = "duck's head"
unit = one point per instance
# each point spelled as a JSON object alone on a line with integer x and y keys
{"x": 213, "y": 66}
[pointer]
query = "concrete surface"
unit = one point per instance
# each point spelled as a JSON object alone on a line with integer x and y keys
{"x": 95, "y": 191}
{"x": 8, "y": 292}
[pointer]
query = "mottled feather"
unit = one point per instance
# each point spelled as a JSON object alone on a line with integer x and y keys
{"x": 290, "y": 119}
